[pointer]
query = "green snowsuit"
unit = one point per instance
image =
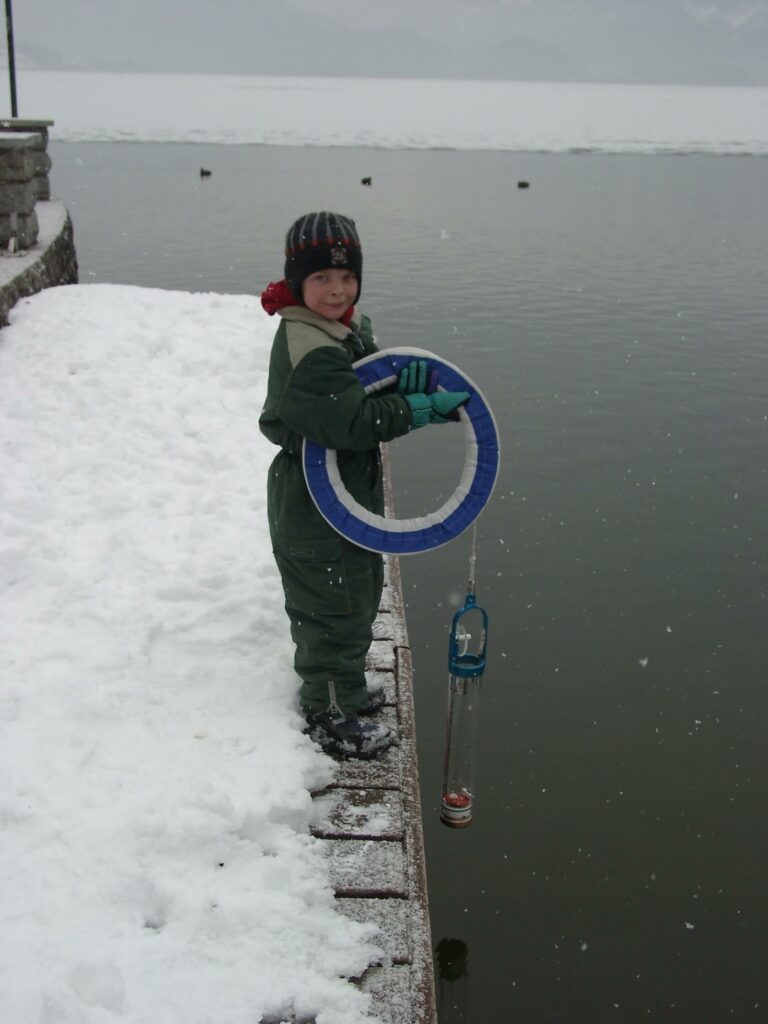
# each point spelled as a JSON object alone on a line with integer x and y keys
{"x": 332, "y": 587}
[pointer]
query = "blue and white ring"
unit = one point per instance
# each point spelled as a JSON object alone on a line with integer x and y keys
{"x": 410, "y": 536}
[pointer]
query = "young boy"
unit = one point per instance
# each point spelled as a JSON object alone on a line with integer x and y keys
{"x": 332, "y": 587}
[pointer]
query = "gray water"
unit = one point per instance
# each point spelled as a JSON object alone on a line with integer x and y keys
{"x": 614, "y": 315}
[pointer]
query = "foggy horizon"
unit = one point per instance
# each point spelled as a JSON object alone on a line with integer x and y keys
{"x": 674, "y": 42}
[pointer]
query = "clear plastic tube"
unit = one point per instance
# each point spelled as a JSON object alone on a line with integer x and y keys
{"x": 465, "y": 672}
{"x": 461, "y": 739}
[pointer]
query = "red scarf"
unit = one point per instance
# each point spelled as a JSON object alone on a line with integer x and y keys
{"x": 277, "y": 295}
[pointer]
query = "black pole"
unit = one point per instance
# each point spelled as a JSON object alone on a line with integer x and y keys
{"x": 11, "y": 57}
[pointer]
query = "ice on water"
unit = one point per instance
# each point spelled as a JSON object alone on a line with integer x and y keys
{"x": 399, "y": 113}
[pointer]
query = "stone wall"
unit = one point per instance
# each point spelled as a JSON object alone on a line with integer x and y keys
{"x": 18, "y": 220}
{"x": 41, "y": 162}
{"x": 37, "y": 248}
{"x": 53, "y": 261}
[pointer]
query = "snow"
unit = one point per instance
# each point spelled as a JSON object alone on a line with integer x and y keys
{"x": 397, "y": 113}
{"x": 155, "y": 857}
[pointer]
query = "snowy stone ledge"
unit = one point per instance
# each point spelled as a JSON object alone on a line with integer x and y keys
{"x": 50, "y": 261}
{"x": 371, "y": 821}
{"x": 162, "y": 857}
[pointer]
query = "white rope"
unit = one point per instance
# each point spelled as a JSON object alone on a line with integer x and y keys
{"x": 472, "y": 560}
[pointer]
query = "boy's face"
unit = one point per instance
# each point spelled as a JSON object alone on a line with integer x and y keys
{"x": 330, "y": 293}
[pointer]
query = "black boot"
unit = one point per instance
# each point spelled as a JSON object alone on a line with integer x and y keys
{"x": 347, "y": 736}
{"x": 376, "y": 699}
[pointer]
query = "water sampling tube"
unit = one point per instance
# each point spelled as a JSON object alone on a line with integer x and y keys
{"x": 465, "y": 677}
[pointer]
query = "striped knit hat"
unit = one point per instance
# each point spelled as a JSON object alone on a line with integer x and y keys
{"x": 318, "y": 241}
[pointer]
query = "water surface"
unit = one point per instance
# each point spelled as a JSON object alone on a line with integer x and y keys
{"x": 614, "y": 316}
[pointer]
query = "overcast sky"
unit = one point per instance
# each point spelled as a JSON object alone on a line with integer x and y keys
{"x": 672, "y": 41}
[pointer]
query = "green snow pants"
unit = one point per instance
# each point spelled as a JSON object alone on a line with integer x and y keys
{"x": 332, "y": 587}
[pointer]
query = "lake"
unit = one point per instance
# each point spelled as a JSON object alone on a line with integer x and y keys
{"x": 614, "y": 315}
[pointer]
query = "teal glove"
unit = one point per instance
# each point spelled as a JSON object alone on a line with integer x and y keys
{"x": 441, "y": 407}
{"x": 413, "y": 378}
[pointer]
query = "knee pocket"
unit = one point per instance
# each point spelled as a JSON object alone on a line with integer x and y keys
{"x": 320, "y": 576}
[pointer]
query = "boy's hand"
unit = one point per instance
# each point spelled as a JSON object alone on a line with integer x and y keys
{"x": 445, "y": 405}
{"x": 413, "y": 379}
{"x": 441, "y": 407}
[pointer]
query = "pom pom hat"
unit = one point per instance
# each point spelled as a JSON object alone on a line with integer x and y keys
{"x": 319, "y": 241}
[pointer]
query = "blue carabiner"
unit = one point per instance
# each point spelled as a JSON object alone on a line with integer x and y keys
{"x": 463, "y": 663}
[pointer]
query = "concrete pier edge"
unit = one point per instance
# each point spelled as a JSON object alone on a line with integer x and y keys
{"x": 51, "y": 261}
{"x": 370, "y": 818}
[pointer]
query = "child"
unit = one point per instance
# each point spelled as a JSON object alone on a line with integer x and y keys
{"x": 332, "y": 587}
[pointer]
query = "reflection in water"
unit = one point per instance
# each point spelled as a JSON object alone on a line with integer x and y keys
{"x": 452, "y": 966}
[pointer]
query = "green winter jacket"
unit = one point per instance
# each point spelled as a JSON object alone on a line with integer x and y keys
{"x": 313, "y": 392}
{"x": 332, "y": 587}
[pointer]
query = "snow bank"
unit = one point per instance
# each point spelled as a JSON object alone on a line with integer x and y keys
{"x": 398, "y": 113}
{"x": 155, "y": 860}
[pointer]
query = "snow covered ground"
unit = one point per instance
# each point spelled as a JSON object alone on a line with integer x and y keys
{"x": 155, "y": 859}
{"x": 397, "y": 113}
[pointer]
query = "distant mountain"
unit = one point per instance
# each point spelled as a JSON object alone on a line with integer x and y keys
{"x": 664, "y": 41}
{"x": 718, "y": 42}
{"x": 227, "y": 37}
